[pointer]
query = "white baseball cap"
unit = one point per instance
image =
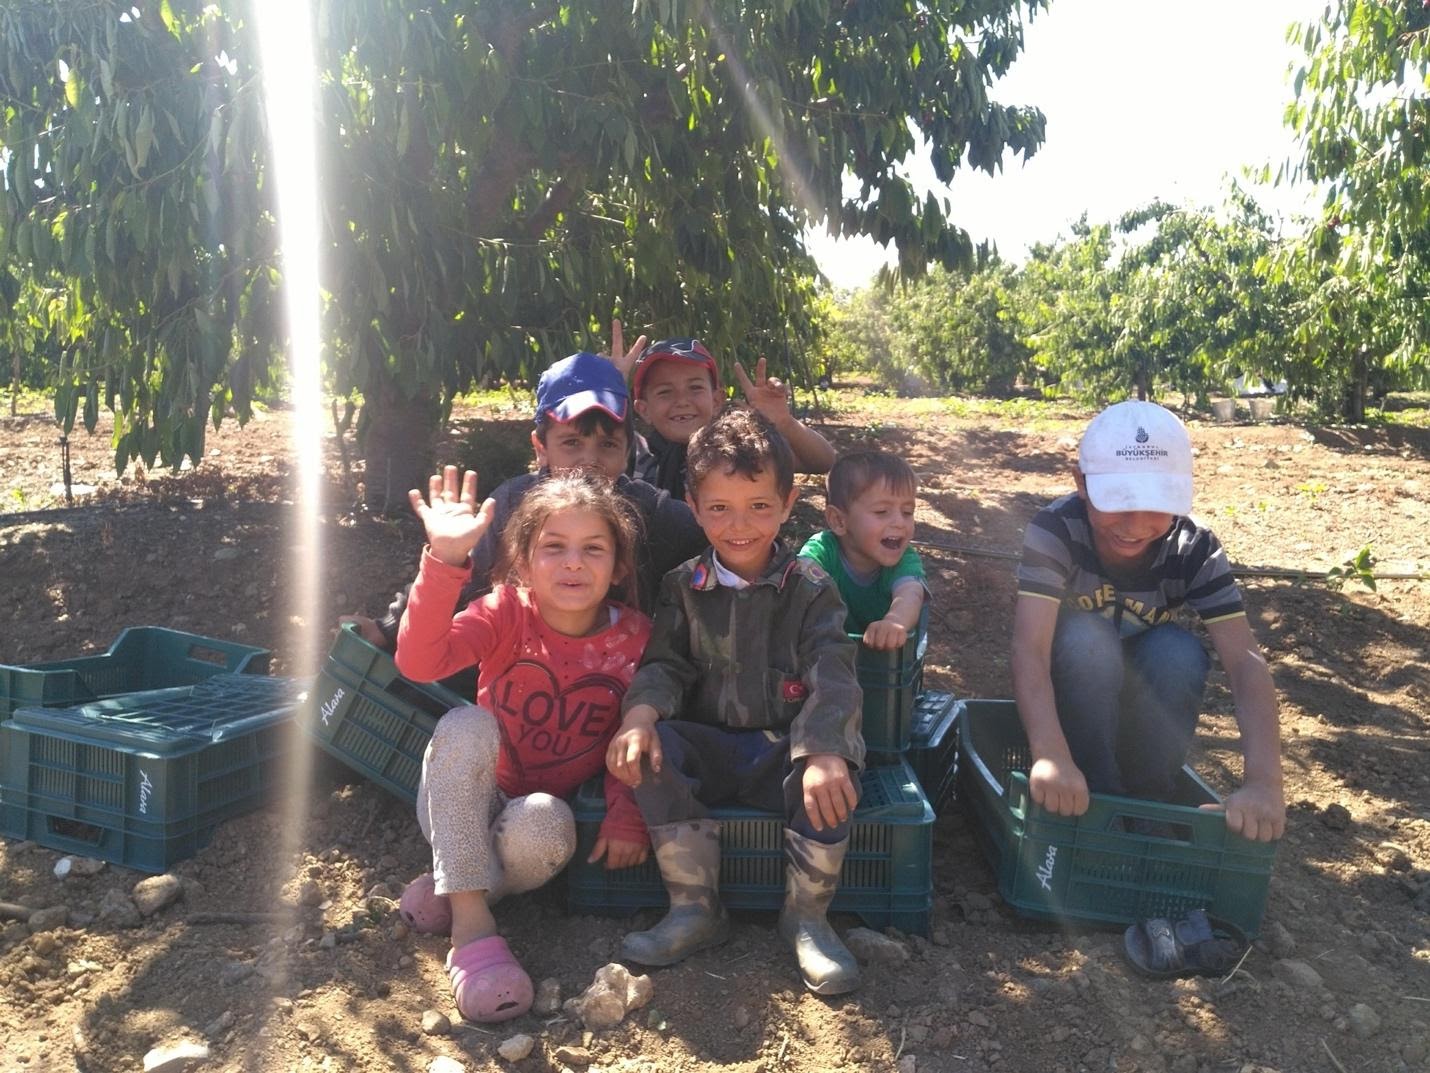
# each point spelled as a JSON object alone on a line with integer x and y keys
{"x": 1137, "y": 456}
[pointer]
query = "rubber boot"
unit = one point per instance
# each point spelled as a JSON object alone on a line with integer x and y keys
{"x": 688, "y": 855}
{"x": 811, "y": 878}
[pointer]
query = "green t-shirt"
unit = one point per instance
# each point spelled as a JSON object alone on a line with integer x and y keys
{"x": 866, "y": 602}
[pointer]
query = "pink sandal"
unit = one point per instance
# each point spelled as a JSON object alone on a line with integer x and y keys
{"x": 488, "y": 984}
{"x": 426, "y": 911}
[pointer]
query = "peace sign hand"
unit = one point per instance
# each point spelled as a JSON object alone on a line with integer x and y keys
{"x": 624, "y": 360}
{"x": 453, "y": 522}
{"x": 767, "y": 394}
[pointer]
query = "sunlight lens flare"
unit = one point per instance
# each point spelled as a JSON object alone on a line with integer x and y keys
{"x": 799, "y": 185}
{"x": 290, "y": 94}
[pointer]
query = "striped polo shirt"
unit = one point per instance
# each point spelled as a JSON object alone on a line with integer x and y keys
{"x": 1060, "y": 563}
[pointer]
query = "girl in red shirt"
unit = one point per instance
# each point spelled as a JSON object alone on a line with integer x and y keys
{"x": 554, "y": 656}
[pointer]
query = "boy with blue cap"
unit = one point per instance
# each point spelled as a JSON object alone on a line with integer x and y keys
{"x": 583, "y": 422}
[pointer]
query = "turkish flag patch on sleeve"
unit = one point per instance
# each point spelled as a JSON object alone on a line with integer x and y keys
{"x": 792, "y": 689}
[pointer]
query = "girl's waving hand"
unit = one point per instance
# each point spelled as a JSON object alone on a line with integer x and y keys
{"x": 450, "y": 514}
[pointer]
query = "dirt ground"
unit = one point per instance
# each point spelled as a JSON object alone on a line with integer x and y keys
{"x": 211, "y": 550}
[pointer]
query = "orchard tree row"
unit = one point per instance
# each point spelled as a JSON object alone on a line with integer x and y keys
{"x": 1185, "y": 300}
{"x": 1162, "y": 300}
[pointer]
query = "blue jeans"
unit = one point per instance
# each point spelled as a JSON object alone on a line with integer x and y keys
{"x": 1128, "y": 707}
{"x": 705, "y": 766}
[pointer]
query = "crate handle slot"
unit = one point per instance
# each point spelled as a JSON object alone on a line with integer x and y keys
{"x": 1130, "y": 823}
{"x": 418, "y": 697}
{"x": 74, "y": 831}
{"x": 200, "y": 653}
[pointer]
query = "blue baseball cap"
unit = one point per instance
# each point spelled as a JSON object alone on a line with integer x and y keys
{"x": 579, "y": 383}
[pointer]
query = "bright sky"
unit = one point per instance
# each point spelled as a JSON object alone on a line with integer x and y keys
{"x": 1144, "y": 99}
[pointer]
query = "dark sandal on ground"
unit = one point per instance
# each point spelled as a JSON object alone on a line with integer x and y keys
{"x": 1196, "y": 945}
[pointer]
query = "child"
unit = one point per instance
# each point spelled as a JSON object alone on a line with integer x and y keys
{"x": 1107, "y": 686}
{"x": 583, "y": 421}
{"x": 869, "y": 505}
{"x": 554, "y": 656}
{"x": 746, "y": 694}
{"x": 676, "y": 387}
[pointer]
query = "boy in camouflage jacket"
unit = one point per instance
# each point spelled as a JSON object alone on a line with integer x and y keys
{"x": 746, "y": 694}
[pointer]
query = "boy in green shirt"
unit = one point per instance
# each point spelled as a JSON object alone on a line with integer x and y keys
{"x": 870, "y": 510}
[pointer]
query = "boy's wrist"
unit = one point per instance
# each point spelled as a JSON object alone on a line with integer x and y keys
{"x": 783, "y": 420}
{"x": 640, "y": 713}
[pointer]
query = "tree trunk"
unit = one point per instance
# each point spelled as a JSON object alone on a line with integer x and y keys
{"x": 1353, "y": 403}
{"x": 1139, "y": 381}
{"x": 397, "y": 434}
{"x": 15, "y": 383}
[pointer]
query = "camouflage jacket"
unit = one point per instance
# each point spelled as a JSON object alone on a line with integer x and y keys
{"x": 772, "y": 656}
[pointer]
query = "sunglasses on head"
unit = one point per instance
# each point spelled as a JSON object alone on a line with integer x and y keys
{"x": 682, "y": 347}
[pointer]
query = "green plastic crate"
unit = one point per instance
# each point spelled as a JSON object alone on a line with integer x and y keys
{"x": 371, "y": 718}
{"x": 891, "y": 680}
{"x": 141, "y": 658}
{"x": 933, "y": 746}
{"x": 143, "y": 779}
{"x": 1092, "y": 868}
{"x": 887, "y": 877}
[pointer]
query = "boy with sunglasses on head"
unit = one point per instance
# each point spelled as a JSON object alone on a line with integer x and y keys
{"x": 675, "y": 384}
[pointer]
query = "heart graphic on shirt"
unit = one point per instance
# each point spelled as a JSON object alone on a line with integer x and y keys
{"x": 547, "y": 725}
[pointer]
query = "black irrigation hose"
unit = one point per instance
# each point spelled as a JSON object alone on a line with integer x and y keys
{"x": 93, "y": 512}
{"x": 1240, "y": 571}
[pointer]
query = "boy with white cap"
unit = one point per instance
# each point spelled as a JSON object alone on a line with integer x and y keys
{"x": 1108, "y": 687}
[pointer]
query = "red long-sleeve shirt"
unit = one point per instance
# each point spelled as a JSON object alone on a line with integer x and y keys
{"x": 556, "y": 699}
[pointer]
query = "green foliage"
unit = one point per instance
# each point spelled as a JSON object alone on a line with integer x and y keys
{"x": 1166, "y": 299}
{"x": 134, "y": 214}
{"x": 1359, "y": 566}
{"x": 499, "y": 176}
{"x": 1361, "y": 115}
{"x": 856, "y": 336}
{"x": 960, "y": 332}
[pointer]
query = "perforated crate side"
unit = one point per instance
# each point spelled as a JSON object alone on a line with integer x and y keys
{"x": 1123, "y": 860}
{"x": 890, "y": 681}
{"x": 100, "y": 784}
{"x": 119, "y": 845}
{"x": 886, "y": 879}
{"x": 933, "y": 747}
{"x": 140, "y": 811}
{"x": 364, "y": 713}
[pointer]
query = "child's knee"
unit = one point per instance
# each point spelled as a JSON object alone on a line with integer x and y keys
{"x": 537, "y": 821}
{"x": 1172, "y": 644}
{"x": 470, "y": 732}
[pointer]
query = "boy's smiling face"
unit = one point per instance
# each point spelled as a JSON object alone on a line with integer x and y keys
{"x": 677, "y": 398}
{"x": 876, "y": 528}
{"x": 1123, "y": 539}
{"x": 741, "y": 517}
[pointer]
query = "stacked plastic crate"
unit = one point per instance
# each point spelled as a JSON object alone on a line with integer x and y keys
{"x": 887, "y": 877}
{"x": 134, "y": 756}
